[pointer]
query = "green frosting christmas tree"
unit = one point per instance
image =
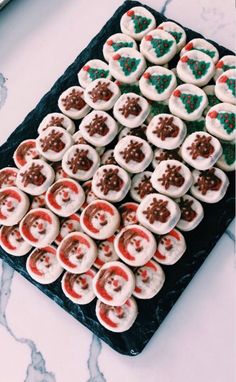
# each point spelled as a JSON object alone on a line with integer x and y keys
{"x": 227, "y": 120}
{"x": 228, "y": 152}
{"x": 161, "y": 46}
{"x": 210, "y": 53}
{"x": 160, "y": 82}
{"x": 231, "y": 82}
{"x": 198, "y": 68}
{"x": 128, "y": 64}
{"x": 191, "y": 101}
{"x": 140, "y": 23}
{"x": 118, "y": 45}
{"x": 176, "y": 35}
{"x": 95, "y": 73}
{"x": 193, "y": 126}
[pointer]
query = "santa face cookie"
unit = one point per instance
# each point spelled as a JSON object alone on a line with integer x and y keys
{"x": 128, "y": 213}
{"x": 157, "y": 83}
{"x": 176, "y": 31}
{"x": 77, "y": 252}
{"x": 158, "y": 213}
{"x": 35, "y": 177}
{"x": 39, "y": 227}
{"x": 135, "y": 245}
{"x": 59, "y": 172}
{"x": 68, "y": 225}
{"x": 108, "y": 157}
{"x": 158, "y": 47}
{"x": 12, "y": 242}
{"x": 98, "y": 128}
{"x": 111, "y": 182}
{"x": 78, "y": 288}
{"x": 106, "y": 252}
{"x": 114, "y": 283}
{"x": 162, "y": 154}
{"x": 59, "y": 120}
{"x": 115, "y": 43}
{"x": 203, "y": 46}
{"x": 71, "y": 103}
{"x": 209, "y": 186}
{"x": 131, "y": 110}
{"x": 188, "y": 102}
{"x": 65, "y": 197}
{"x": 80, "y": 162}
{"x": 38, "y": 201}
{"x": 42, "y": 265}
{"x": 133, "y": 154}
{"x": 117, "y": 319}
{"x": 101, "y": 94}
{"x": 171, "y": 178}
{"x": 226, "y": 86}
{"x": 25, "y": 152}
{"x": 171, "y": 248}
{"x": 89, "y": 194}
{"x": 127, "y": 65}
{"x": 93, "y": 70}
{"x": 8, "y": 177}
{"x": 53, "y": 143}
{"x": 227, "y": 160}
{"x": 13, "y": 205}
{"x": 220, "y": 121}
{"x": 225, "y": 63}
{"x": 149, "y": 280}
{"x": 195, "y": 68}
{"x": 166, "y": 131}
{"x": 100, "y": 220}
{"x": 141, "y": 186}
{"x": 192, "y": 213}
{"x": 136, "y": 22}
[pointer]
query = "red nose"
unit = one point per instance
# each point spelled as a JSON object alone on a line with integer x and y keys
{"x": 65, "y": 194}
{"x": 41, "y": 226}
{"x": 106, "y": 248}
{"x": 102, "y": 218}
{"x": 70, "y": 226}
{"x": 9, "y": 204}
{"x": 115, "y": 283}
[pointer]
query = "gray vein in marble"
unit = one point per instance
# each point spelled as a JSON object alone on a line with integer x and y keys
{"x": 36, "y": 370}
{"x": 164, "y": 7}
{"x": 230, "y": 235}
{"x": 95, "y": 349}
{"x": 3, "y": 90}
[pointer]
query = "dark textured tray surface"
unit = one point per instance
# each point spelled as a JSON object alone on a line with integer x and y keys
{"x": 199, "y": 242}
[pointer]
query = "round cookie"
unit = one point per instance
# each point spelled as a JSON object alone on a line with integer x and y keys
{"x": 149, "y": 280}
{"x": 56, "y": 119}
{"x": 89, "y": 194}
{"x": 13, "y": 205}
{"x": 68, "y": 225}
{"x": 8, "y": 177}
{"x": 71, "y": 103}
{"x": 170, "y": 248}
{"x": 127, "y": 65}
{"x": 157, "y": 83}
{"x": 79, "y": 288}
{"x": 176, "y": 31}
{"x": 162, "y": 154}
{"x": 53, "y": 143}
{"x": 128, "y": 213}
{"x": 25, "y": 152}
{"x": 203, "y": 46}
{"x": 225, "y": 88}
{"x": 93, "y": 70}
{"x": 192, "y": 213}
{"x": 136, "y": 22}
{"x": 12, "y": 242}
{"x": 220, "y": 121}
{"x": 108, "y": 157}
{"x": 101, "y": 94}
{"x": 211, "y": 96}
{"x": 225, "y": 63}
{"x": 227, "y": 160}
{"x": 141, "y": 186}
{"x": 106, "y": 252}
{"x": 115, "y": 43}
{"x": 38, "y": 201}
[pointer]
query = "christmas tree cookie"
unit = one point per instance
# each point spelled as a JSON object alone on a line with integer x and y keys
{"x": 188, "y": 102}
{"x": 71, "y": 103}
{"x": 211, "y": 96}
{"x": 227, "y": 159}
{"x": 127, "y": 65}
{"x": 226, "y": 86}
{"x": 220, "y": 121}
{"x": 203, "y": 46}
{"x": 157, "y": 83}
{"x": 93, "y": 70}
{"x": 176, "y": 31}
{"x": 131, "y": 110}
{"x": 225, "y": 63}
{"x": 158, "y": 46}
{"x": 115, "y": 43}
{"x": 195, "y": 68}
{"x": 101, "y": 94}
{"x": 137, "y": 22}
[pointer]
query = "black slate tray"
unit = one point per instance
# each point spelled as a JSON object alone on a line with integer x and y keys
{"x": 199, "y": 242}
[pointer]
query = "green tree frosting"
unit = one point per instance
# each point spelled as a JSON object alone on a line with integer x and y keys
{"x": 161, "y": 46}
{"x": 227, "y": 120}
{"x": 198, "y": 68}
{"x": 128, "y": 64}
{"x": 140, "y": 23}
{"x": 160, "y": 82}
{"x": 191, "y": 101}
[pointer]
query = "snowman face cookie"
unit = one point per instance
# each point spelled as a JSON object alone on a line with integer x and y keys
{"x": 203, "y": 46}
{"x": 78, "y": 288}
{"x": 227, "y": 160}
{"x": 13, "y": 205}
{"x": 68, "y": 225}
{"x": 115, "y": 43}
{"x": 106, "y": 252}
{"x": 162, "y": 154}
{"x": 65, "y": 197}
{"x": 8, "y": 177}
{"x": 131, "y": 110}
{"x": 42, "y": 265}
{"x": 128, "y": 213}
{"x": 192, "y": 213}
{"x": 53, "y": 143}
{"x": 220, "y": 121}
{"x": 71, "y": 103}
{"x": 25, "y": 152}
{"x": 149, "y": 280}
{"x": 141, "y": 186}
{"x": 225, "y": 63}
{"x": 56, "y": 119}
{"x": 158, "y": 47}
{"x": 77, "y": 252}
{"x": 12, "y": 242}
{"x": 176, "y": 31}
{"x": 114, "y": 283}
{"x": 101, "y": 94}
{"x": 171, "y": 248}
{"x": 93, "y": 70}
{"x": 226, "y": 86}
{"x": 135, "y": 245}
{"x": 127, "y": 65}
{"x": 136, "y": 22}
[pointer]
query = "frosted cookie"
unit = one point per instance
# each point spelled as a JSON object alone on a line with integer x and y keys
{"x": 111, "y": 182}
{"x": 56, "y": 119}
{"x": 176, "y": 31}
{"x": 25, "y": 152}
{"x": 35, "y": 177}
{"x": 158, "y": 213}
{"x": 100, "y": 219}
{"x": 13, "y": 205}
{"x": 171, "y": 248}
{"x": 149, "y": 280}
{"x": 211, "y": 96}
{"x": 68, "y": 225}
{"x": 135, "y": 245}
{"x": 81, "y": 162}
{"x": 201, "y": 150}
{"x": 171, "y": 178}
{"x": 136, "y": 22}
{"x": 65, "y": 197}
{"x": 192, "y": 213}
{"x": 157, "y": 83}
{"x": 38, "y": 201}
{"x": 53, "y": 143}
{"x": 188, "y": 102}
{"x": 137, "y": 132}
{"x": 39, "y": 227}
{"x": 12, "y": 242}
{"x": 141, "y": 186}
{"x": 158, "y": 46}
{"x": 71, "y": 103}
{"x": 195, "y": 68}
{"x": 203, "y": 46}
{"x": 114, "y": 283}
{"x": 166, "y": 131}
{"x": 128, "y": 213}
{"x": 220, "y": 121}
{"x": 132, "y": 153}
{"x": 127, "y": 65}
{"x": 101, "y": 94}
{"x": 42, "y": 265}
{"x": 89, "y": 194}
{"x": 162, "y": 154}
{"x": 59, "y": 172}
{"x": 106, "y": 252}
{"x": 77, "y": 252}
{"x": 209, "y": 186}
{"x": 8, "y": 177}
{"x": 98, "y": 128}
{"x": 128, "y": 88}
{"x": 225, "y": 88}
{"x": 227, "y": 160}
{"x": 117, "y": 319}
{"x": 93, "y": 70}
{"x": 78, "y": 288}
{"x": 108, "y": 157}
{"x": 225, "y": 63}
{"x": 115, "y": 43}
{"x": 131, "y": 110}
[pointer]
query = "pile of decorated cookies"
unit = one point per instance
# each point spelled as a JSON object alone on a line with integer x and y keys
{"x": 103, "y": 202}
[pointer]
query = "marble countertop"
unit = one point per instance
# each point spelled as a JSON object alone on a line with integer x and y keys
{"x": 39, "y": 39}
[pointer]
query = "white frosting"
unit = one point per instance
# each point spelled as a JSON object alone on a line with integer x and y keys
{"x": 160, "y": 57}
{"x": 132, "y": 120}
{"x": 52, "y": 154}
{"x": 171, "y": 248}
{"x": 225, "y": 63}
{"x": 28, "y": 154}
{"x": 13, "y": 205}
{"x": 213, "y": 124}
{"x": 8, "y": 177}
{"x": 72, "y": 112}
{"x": 12, "y": 242}
{"x": 173, "y": 28}
{"x": 185, "y": 225}
{"x": 222, "y": 90}
{"x": 127, "y": 24}
{"x": 149, "y": 280}
{"x": 106, "y": 253}
{"x": 201, "y": 45}
{"x": 56, "y": 119}
{"x": 115, "y": 43}
{"x": 87, "y": 73}
{"x": 101, "y": 104}
{"x": 81, "y": 285}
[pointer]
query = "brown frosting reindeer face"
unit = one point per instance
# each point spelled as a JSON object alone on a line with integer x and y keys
{"x": 74, "y": 100}
{"x": 101, "y": 92}
{"x": 53, "y": 141}
{"x": 33, "y": 175}
{"x": 131, "y": 107}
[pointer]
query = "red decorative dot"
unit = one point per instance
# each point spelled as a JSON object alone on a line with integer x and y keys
{"x": 146, "y": 75}
{"x": 177, "y": 93}
{"x": 213, "y": 114}
{"x": 116, "y": 57}
{"x": 184, "y": 59}
{"x": 86, "y": 68}
{"x": 148, "y": 38}
{"x": 223, "y": 79}
{"x": 109, "y": 42}
{"x": 219, "y": 64}
{"x": 189, "y": 46}
{"x": 130, "y": 13}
